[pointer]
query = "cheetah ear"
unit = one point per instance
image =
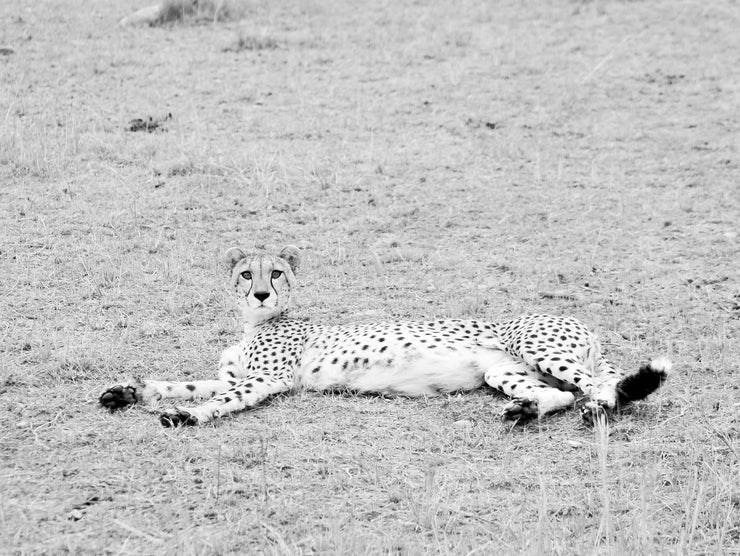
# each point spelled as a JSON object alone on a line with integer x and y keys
{"x": 233, "y": 256}
{"x": 292, "y": 256}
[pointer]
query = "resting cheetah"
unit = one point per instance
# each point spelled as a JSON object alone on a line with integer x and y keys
{"x": 539, "y": 361}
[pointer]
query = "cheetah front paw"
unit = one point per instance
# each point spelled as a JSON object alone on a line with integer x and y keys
{"x": 177, "y": 418}
{"x": 595, "y": 411}
{"x": 522, "y": 409}
{"x": 118, "y": 397}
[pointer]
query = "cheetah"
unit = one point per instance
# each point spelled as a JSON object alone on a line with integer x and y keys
{"x": 540, "y": 362}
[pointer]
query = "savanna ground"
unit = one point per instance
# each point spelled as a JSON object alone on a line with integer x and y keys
{"x": 431, "y": 159}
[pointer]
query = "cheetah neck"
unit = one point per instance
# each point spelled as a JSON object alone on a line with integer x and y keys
{"x": 253, "y": 326}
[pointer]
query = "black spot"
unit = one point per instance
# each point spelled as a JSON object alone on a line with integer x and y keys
{"x": 190, "y": 387}
{"x": 383, "y": 349}
{"x": 227, "y": 399}
{"x": 317, "y": 369}
{"x": 333, "y": 361}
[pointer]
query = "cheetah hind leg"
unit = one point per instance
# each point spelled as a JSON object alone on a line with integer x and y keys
{"x": 531, "y": 395}
{"x": 542, "y": 401}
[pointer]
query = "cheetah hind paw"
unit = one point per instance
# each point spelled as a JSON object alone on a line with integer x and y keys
{"x": 118, "y": 397}
{"x": 522, "y": 409}
{"x": 177, "y": 418}
{"x": 594, "y": 411}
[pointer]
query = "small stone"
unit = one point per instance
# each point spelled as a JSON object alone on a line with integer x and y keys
{"x": 21, "y": 424}
{"x": 463, "y": 424}
{"x": 6, "y": 51}
{"x": 573, "y": 443}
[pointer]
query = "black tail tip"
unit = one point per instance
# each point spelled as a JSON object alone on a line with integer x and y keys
{"x": 645, "y": 381}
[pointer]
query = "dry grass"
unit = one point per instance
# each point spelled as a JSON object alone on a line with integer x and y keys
{"x": 431, "y": 159}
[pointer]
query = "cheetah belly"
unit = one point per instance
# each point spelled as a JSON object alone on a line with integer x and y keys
{"x": 413, "y": 371}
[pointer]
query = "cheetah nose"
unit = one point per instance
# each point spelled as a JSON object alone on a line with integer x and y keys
{"x": 261, "y": 296}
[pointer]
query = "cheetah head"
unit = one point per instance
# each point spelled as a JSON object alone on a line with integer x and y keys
{"x": 262, "y": 282}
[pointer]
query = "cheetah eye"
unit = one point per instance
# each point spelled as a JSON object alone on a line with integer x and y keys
{"x": 276, "y": 274}
{"x": 247, "y": 275}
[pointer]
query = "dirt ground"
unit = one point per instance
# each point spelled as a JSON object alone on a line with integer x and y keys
{"x": 477, "y": 159}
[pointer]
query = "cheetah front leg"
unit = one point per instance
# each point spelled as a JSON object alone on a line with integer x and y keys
{"x": 246, "y": 393}
{"x": 147, "y": 391}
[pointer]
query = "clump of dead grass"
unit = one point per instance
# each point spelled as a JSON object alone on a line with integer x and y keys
{"x": 251, "y": 42}
{"x": 174, "y": 11}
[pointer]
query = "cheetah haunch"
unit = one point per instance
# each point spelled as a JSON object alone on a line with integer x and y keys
{"x": 539, "y": 361}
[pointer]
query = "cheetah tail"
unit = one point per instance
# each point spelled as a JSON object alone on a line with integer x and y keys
{"x": 645, "y": 381}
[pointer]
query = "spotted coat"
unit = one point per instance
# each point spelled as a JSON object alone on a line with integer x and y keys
{"x": 540, "y": 361}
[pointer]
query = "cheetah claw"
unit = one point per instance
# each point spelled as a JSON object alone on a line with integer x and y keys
{"x": 118, "y": 397}
{"x": 595, "y": 411}
{"x": 522, "y": 409}
{"x": 177, "y": 418}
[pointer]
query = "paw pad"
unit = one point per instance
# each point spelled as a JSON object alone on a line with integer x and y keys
{"x": 118, "y": 397}
{"x": 591, "y": 412}
{"x": 177, "y": 418}
{"x": 521, "y": 409}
